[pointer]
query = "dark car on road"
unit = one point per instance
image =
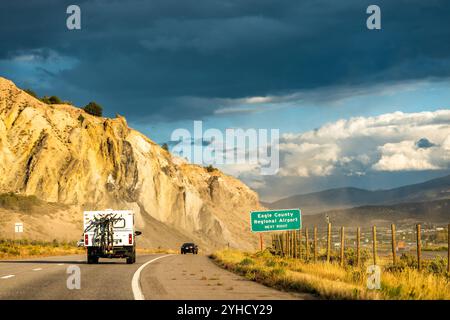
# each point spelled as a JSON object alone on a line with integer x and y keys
{"x": 189, "y": 248}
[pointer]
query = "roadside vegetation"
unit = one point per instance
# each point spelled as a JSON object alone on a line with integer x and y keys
{"x": 155, "y": 250}
{"x": 14, "y": 249}
{"x": 13, "y": 201}
{"x": 26, "y": 203}
{"x": 332, "y": 281}
{"x": 92, "y": 107}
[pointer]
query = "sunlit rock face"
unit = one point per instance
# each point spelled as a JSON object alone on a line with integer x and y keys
{"x": 62, "y": 154}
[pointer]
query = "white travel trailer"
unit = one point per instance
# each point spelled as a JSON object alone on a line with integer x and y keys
{"x": 110, "y": 234}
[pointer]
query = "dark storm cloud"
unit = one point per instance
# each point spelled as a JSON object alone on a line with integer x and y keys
{"x": 165, "y": 58}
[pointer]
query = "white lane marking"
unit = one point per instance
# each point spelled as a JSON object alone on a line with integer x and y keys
{"x": 135, "y": 286}
{"x": 37, "y": 269}
{"x": 8, "y": 276}
{"x": 60, "y": 264}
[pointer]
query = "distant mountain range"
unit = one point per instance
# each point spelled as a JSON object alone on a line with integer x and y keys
{"x": 344, "y": 198}
{"x": 437, "y": 211}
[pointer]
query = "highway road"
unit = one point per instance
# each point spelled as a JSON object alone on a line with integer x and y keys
{"x": 151, "y": 277}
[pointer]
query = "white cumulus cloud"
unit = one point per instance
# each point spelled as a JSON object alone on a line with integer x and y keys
{"x": 355, "y": 146}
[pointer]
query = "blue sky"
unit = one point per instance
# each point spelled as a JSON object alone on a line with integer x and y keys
{"x": 300, "y": 116}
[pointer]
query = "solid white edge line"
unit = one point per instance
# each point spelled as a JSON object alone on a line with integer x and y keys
{"x": 135, "y": 286}
{"x": 8, "y": 276}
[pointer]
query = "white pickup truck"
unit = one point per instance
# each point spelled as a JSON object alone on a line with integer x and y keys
{"x": 110, "y": 234}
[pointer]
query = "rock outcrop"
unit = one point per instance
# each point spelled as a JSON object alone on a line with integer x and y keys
{"x": 62, "y": 154}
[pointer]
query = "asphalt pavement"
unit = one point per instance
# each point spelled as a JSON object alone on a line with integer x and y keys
{"x": 153, "y": 276}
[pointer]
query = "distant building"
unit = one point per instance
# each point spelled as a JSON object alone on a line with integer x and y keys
{"x": 401, "y": 246}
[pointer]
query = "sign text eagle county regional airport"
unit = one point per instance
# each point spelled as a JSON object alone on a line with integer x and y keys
{"x": 276, "y": 220}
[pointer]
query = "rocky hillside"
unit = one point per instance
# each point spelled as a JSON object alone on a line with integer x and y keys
{"x": 61, "y": 154}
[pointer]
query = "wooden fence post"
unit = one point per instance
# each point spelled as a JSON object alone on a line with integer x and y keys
{"x": 342, "y": 246}
{"x": 300, "y": 244}
{"x": 315, "y": 244}
{"x": 291, "y": 243}
{"x": 394, "y": 245}
{"x": 448, "y": 248}
{"x": 291, "y": 254}
{"x": 358, "y": 246}
{"x": 288, "y": 245}
{"x": 307, "y": 244}
{"x": 419, "y": 247}
{"x": 286, "y": 235}
{"x": 295, "y": 243}
{"x": 374, "y": 237}
{"x": 328, "y": 242}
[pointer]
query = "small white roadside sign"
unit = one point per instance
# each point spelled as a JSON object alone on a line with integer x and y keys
{"x": 18, "y": 227}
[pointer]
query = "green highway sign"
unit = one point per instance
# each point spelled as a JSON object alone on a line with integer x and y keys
{"x": 276, "y": 220}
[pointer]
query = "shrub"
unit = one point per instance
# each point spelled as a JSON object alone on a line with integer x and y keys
{"x": 271, "y": 263}
{"x": 210, "y": 168}
{"x": 409, "y": 260}
{"x": 14, "y": 201}
{"x": 438, "y": 265}
{"x": 246, "y": 262}
{"x": 31, "y": 93}
{"x": 351, "y": 257}
{"x": 51, "y": 100}
{"x": 94, "y": 109}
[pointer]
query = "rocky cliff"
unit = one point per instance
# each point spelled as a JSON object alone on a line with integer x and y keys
{"x": 62, "y": 154}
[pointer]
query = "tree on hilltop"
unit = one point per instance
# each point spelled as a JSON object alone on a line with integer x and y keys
{"x": 94, "y": 109}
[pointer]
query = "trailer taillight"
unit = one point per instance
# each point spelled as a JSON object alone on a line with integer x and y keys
{"x": 86, "y": 239}
{"x": 130, "y": 238}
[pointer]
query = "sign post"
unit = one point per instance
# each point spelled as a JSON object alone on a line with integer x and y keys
{"x": 18, "y": 228}
{"x": 275, "y": 220}
{"x": 261, "y": 241}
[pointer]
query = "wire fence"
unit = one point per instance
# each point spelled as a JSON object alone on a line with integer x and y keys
{"x": 333, "y": 243}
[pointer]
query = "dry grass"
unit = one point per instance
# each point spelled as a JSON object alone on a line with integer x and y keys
{"x": 26, "y": 249}
{"x": 27, "y": 204}
{"x": 155, "y": 250}
{"x": 331, "y": 281}
{"x": 10, "y": 249}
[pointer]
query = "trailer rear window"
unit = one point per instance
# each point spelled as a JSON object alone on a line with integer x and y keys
{"x": 119, "y": 223}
